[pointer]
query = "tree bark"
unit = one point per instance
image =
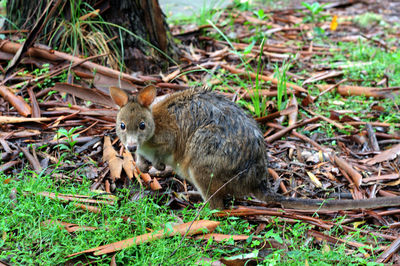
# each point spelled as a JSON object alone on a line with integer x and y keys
{"x": 142, "y": 17}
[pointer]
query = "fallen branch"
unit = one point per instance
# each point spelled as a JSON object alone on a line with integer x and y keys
{"x": 196, "y": 228}
{"x": 17, "y": 101}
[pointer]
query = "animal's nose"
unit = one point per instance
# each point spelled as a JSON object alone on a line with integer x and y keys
{"x": 131, "y": 148}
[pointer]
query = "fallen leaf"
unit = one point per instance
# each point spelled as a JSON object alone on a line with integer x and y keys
{"x": 394, "y": 176}
{"x": 314, "y": 180}
{"x": 386, "y": 155}
{"x": 110, "y": 155}
{"x": 87, "y": 94}
{"x": 357, "y": 224}
{"x": 128, "y": 164}
{"x": 334, "y": 23}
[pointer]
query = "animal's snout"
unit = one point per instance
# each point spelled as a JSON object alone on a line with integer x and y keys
{"x": 131, "y": 148}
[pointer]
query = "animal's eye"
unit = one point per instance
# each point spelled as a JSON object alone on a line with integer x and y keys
{"x": 122, "y": 125}
{"x": 142, "y": 125}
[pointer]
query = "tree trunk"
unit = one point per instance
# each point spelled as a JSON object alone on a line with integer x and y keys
{"x": 147, "y": 50}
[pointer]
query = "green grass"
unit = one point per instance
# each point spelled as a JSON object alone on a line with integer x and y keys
{"x": 379, "y": 62}
{"x": 25, "y": 240}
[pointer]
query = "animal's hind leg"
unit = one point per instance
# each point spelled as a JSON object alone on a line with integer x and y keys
{"x": 208, "y": 184}
{"x": 217, "y": 202}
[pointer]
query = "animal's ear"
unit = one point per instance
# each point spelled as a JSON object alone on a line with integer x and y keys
{"x": 147, "y": 95}
{"x": 119, "y": 96}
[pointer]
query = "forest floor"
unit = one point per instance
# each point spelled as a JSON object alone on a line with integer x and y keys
{"x": 322, "y": 81}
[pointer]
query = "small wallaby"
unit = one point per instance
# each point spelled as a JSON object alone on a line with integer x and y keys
{"x": 209, "y": 141}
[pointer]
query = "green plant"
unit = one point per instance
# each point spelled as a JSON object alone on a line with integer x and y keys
{"x": 314, "y": 12}
{"x": 260, "y": 14}
{"x": 280, "y": 74}
{"x": 259, "y": 102}
{"x": 314, "y": 16}
{"x": 70, "y": 138}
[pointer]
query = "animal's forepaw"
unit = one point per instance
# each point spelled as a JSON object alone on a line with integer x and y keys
{"x": 143, "y": 166}
{"x": 160, "y": 166}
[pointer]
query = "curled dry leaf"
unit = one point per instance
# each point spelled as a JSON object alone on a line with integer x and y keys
{"x": 110, "y": 155}
{"x": 393, "y": 183}
{"x": 8, "y": 165}
{"x": 103, "y": 83}
{"x": 322, "y": 76}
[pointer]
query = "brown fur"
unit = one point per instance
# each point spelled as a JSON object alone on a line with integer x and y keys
{"x": 209, "y": 141}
